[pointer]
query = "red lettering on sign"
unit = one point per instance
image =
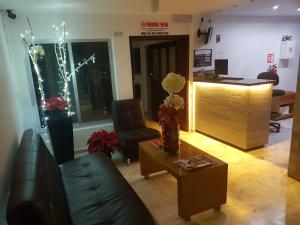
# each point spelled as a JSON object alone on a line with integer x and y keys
{"x": 154, "y": 27}
{"x": 151, "y": 24}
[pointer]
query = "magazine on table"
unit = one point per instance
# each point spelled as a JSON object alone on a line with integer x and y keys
{"x": 157, "y": 143}
{"x": 194, "y": 162}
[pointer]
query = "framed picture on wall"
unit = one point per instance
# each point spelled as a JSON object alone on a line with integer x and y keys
{"x": 203, "y": 57}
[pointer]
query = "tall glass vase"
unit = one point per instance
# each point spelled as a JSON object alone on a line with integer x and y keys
{"x": 170, "y": 135}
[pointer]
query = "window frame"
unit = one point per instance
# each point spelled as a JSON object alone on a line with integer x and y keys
{"x": 69, "y": 42}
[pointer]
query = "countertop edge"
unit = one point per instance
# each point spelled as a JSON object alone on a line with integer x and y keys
{"x": 243, "y": 82}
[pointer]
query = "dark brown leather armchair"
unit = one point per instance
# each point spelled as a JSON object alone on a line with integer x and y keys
{"x": 130, "y": 126}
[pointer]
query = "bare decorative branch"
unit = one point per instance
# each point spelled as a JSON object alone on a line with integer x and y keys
{"x": 60, "y": 48}
{"x": 35, "y": 53}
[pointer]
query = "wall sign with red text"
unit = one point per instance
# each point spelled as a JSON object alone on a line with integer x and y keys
{"x": 149, "y": 28}
{"x": 270, "y": 58}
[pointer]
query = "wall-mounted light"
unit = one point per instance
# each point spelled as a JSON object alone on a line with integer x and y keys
{"x": 275, "y": 7}
{"x": 298, "y": 9}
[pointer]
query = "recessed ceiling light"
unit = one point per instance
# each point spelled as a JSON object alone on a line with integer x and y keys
{"x": 298, "y": 9}
{"x": 275, "y": 7}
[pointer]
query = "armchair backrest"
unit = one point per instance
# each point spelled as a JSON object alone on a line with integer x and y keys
{"x": 128, "y": 114}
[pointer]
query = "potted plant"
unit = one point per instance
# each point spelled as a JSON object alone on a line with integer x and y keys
{"x": 169, "y": 112}
{"x": 103, "y": 141}
{"x": 60, "y": 127}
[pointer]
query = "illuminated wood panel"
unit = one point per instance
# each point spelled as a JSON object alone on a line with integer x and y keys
{"x": 236, "y": 114}
{"x": 294, "y": 161}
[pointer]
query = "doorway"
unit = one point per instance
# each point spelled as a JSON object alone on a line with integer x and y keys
{"x": 152, "y": 58}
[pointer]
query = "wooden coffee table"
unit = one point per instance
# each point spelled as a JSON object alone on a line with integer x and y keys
{"x": 197, "y": 190}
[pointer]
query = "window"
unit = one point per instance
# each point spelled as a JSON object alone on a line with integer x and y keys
{"x": 93, "y": 81}
{"x": 90, "y": 88}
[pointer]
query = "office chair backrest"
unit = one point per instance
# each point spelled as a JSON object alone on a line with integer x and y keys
{"x": 269, "y": 76}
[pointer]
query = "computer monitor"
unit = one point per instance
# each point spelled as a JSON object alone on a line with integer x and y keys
{"x": 221, "y": 66}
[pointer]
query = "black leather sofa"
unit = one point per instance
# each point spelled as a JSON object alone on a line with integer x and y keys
{"x": 86, "y": 191}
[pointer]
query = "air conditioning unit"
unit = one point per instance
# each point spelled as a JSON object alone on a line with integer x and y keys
{"x": 182, "y": 18}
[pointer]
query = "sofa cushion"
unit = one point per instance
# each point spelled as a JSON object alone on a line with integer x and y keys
{"x": 129, "y": 139}
{"x": 98, "y": 194}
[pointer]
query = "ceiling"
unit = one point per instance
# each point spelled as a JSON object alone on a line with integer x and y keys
{"x": 243, "y": 7}
{"x": 264, "y": 8}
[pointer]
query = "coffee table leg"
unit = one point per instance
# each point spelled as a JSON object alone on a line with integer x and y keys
{"x": 201, "y": 191}
{"x": 147, "y": 165}
{"x": 217, "y": 208}
{"x": 183, "y": 204}
{"x": 187, "y": 219}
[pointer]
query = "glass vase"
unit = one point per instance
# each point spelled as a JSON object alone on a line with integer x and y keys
{"x": 170, "y": 136}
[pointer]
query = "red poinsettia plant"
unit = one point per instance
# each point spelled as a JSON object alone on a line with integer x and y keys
{"x": 56, "y": 103}
{"x": 56, "y": 107}
{"x": 102, "y": 141}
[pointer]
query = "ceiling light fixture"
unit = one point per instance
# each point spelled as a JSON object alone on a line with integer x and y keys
{"x": 275, "y": 7}
{"x": 298, "y": 9}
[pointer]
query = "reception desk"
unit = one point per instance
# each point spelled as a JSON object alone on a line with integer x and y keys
{"x": 234, "y": 111}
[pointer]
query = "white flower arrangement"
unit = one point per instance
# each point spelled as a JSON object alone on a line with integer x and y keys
{"x": 173, "y": 83}
{"x": 174, "y": 101}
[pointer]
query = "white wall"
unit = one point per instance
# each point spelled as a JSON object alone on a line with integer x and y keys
{"x": 81, "y": 26}
{"x": 246, "y": 41}
{"x": 10, "y": 122}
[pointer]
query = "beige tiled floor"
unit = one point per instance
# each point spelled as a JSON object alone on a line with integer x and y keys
{"x": 259, "y": 190}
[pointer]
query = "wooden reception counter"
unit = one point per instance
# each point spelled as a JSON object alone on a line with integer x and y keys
{"x": 234, "y": 111}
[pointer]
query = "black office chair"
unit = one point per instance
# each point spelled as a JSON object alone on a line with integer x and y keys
{"x": 276, "y": 92}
